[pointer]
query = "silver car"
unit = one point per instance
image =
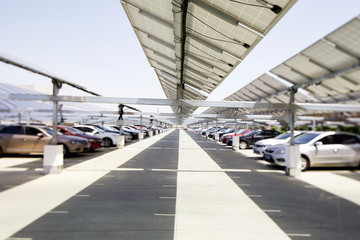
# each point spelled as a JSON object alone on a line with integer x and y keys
{"x": 320, "y": 149}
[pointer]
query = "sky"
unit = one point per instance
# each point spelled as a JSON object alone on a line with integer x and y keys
{"x": 91, "y": 43}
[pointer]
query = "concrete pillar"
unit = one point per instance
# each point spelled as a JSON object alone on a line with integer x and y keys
{"x": 292, "y": 157}
{"x": 120, "y": 142}
{"x": 53, "y": 161}
{"x": 235, "y": 142}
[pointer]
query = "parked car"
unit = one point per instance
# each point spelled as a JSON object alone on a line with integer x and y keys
{"x": 95, "y": 142}
{"x": 320, "y": 149}
{"x": 261, "y": 145}
{"x": 227, "y": 138}
{"x": 109, "y": 139}
{"x": 109, "y": 129}
{"x": 250, "y": 138}
{"x": 134, "y": 133}
{"x": 26, "y": 139}
{"x": 225, "y": 132}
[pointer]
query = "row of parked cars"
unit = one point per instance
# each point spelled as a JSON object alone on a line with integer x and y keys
{"x": 317, "y": 149}
{"x": 26, "y": 139}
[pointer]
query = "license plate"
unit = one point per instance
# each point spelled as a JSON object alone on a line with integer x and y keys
{"x": 267, "y": 157}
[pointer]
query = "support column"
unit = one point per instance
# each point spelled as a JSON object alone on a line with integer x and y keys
{"x": 292, "y": 161}
{"x": 53, "y": 161}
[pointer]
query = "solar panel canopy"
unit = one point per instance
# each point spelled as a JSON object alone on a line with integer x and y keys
{"x": 194, "y": 45}
{"x": 327, "y": 72}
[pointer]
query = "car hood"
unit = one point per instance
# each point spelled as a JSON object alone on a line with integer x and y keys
{"x": 271, "y": 141}
{"x": 67, "y": 137}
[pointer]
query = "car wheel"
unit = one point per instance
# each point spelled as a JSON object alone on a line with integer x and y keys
{"x": 243, "y": 145}
{"x": 66, "y": 151}
{"x": 305, "y": 164}
{"x": 107, "y": 142}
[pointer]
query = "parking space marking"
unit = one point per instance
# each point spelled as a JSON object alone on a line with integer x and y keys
{"x": 269, "y": 171}
{"x": 59, "y": 212}
{"x": 272, "y": 210}
{"x": 255, "y": 196}
{"x": 19, "y": 239}
{"x": 129, "y": 169}
{"x": 299, "y": 235}
{"x": 165, "y": 214}
{"x": 13, "y": 169}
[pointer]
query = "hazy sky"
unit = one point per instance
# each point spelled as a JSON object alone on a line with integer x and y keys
{"x": 91, "y": 43}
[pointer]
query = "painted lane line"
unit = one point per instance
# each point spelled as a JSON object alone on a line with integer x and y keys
{"x": 167, "y": 197}
{"x": 169, "y": 186}
{"x": 268, "y": 171}
{"x": 299, "y": 235}
{"x": 202, "y": 189}
{"x": 14, "y": 169}
{"x": 164, "y": 214}
{"x": 129, "y": 169}
{"x": 236, "y": 170}
{"x": 19, "y": 239}
{"x": 59, "y": 212}
{"x": 155, "y": 148}
{"x": 272, "y": 210}
{"x": 255, "y": 196}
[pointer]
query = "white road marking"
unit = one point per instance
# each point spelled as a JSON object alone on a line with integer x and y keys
{"x": 272, "y": 210}
{"x": 299, "y": 235}
{"x": 128, "y": 169}
{"x": 59, "y": 212}
{"x": 209, "y": 205}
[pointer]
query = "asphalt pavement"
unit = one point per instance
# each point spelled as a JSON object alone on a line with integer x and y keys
{"x": 176, "y": 185}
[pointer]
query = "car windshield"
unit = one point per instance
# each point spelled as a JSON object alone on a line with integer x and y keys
{"x": 50, "y": 130}
{"x": 283, "y": 136}
{"x": 305, "y": 138}
{"x": 74, "y": 130}
{"x": 108, "y": 128}
{"x": 250, "y": 133}
{"x": 240, "y": 131}
{"x": 99, "y": 130}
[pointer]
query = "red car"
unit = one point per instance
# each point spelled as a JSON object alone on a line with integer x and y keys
{"x": 95, "y": 142}
{"x": 238, "y": 133}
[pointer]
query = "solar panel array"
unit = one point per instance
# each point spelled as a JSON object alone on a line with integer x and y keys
{"x": 194, "y": 45}
{"x": 327, "y": 71}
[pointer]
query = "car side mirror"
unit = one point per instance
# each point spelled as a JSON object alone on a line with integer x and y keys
{"x": 40, "y": 135}
{"x": 318, "y": 144}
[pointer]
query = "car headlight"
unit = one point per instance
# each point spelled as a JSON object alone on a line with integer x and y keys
{"x": 75, "y": 142}
{"x": 281, "y": 151}
{"x": 92, "y": 140}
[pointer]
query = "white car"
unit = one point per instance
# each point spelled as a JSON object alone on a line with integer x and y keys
{"x": 109, "y": 139}
{"x": 320, "y": 149}
{"x": 260, "y": 146}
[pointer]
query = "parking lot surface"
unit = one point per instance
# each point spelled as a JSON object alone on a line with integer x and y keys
{"x": 176, "y": 185}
